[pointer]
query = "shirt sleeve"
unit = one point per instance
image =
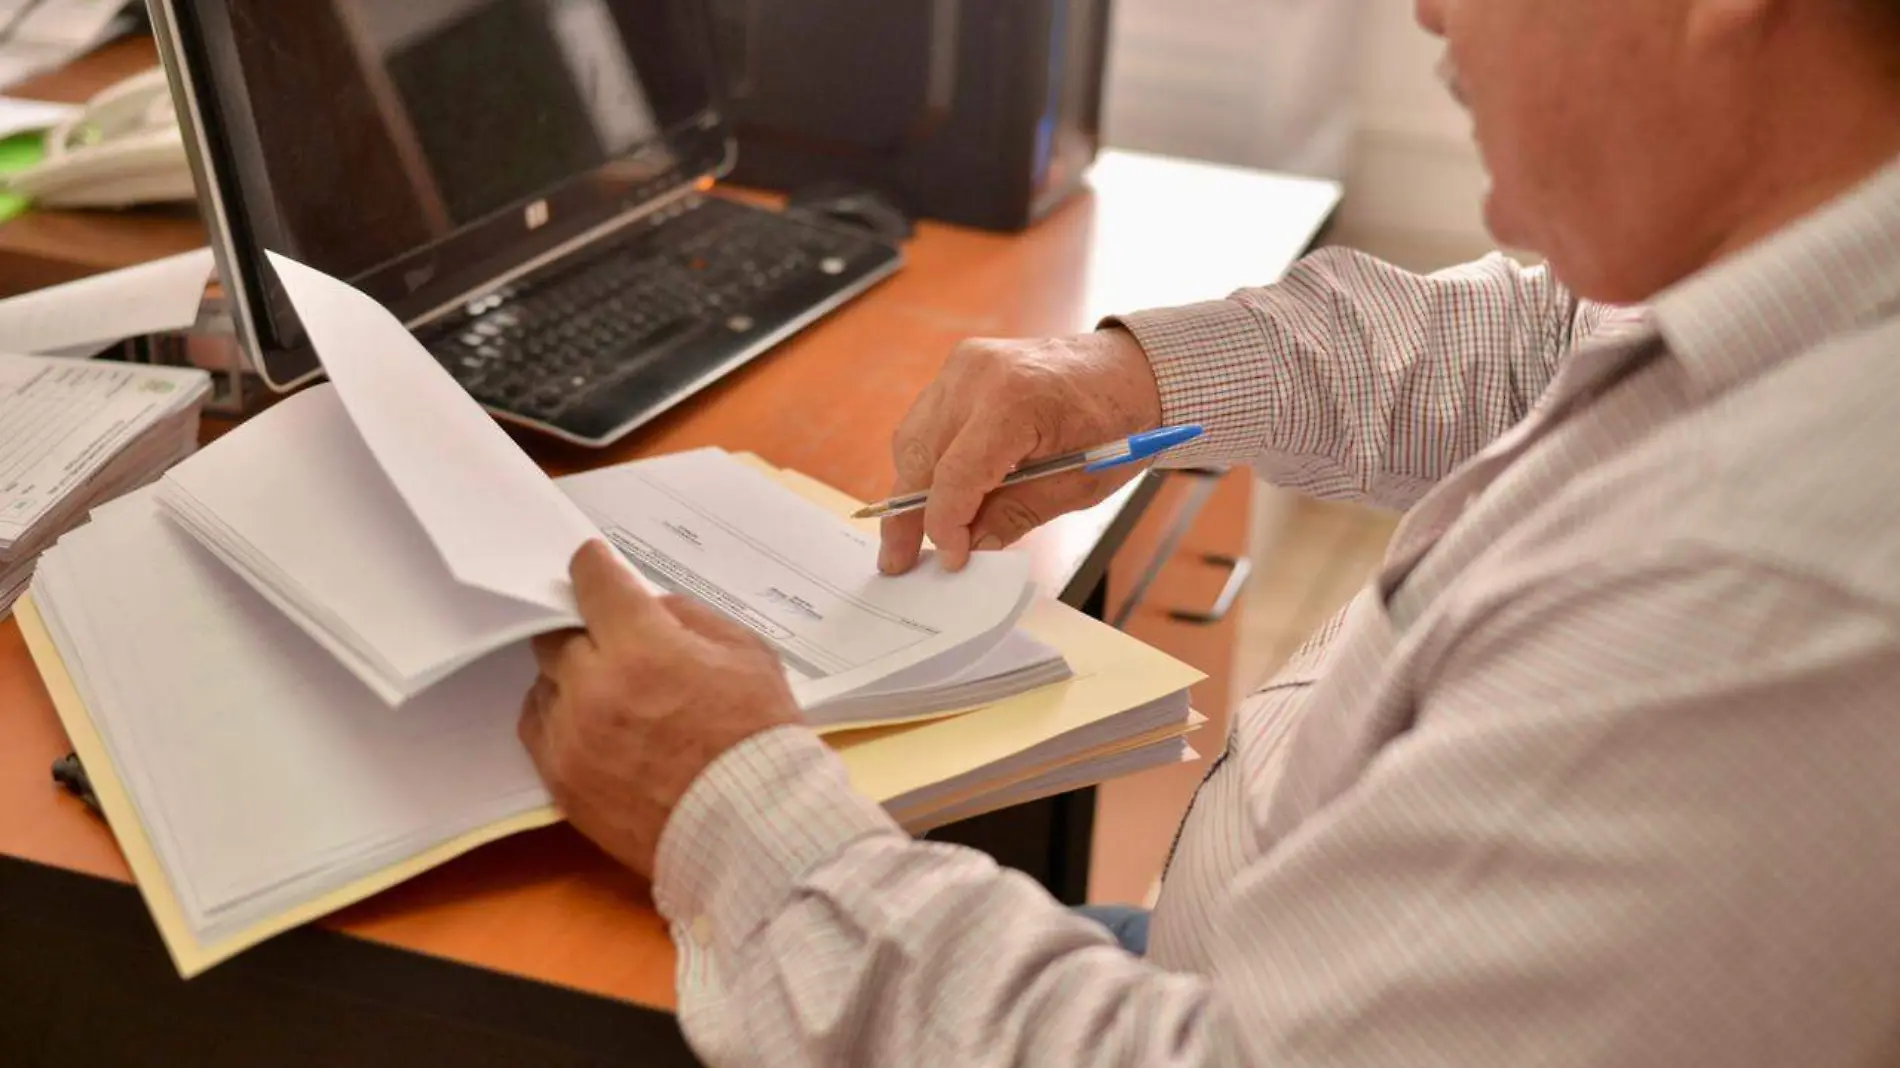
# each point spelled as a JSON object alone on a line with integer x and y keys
{"x": 1355, "y": 379}
{"x": 1644, "y": 817}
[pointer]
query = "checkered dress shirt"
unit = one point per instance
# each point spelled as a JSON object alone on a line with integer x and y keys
{"x": 1603, "y": 769}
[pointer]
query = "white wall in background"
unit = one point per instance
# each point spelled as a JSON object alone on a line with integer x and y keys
{"x": 1415, "y": 177}
{"x": 1340, "y": 88}
{"x": 1262, "y": 83}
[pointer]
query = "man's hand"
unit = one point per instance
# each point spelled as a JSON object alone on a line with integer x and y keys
{"x": 996, "y": 405}
{"x": 629, "y": 711}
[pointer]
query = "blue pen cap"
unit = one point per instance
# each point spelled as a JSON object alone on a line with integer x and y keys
{"x": 1150, "y": 443}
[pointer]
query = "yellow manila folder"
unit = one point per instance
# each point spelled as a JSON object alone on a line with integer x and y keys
{"x": 190, "y": 955}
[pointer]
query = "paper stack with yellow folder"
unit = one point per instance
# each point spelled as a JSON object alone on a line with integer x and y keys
{"x": 293, "y": 669}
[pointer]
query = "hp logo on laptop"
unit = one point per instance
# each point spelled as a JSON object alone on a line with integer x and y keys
{"x": 536, "y": 214}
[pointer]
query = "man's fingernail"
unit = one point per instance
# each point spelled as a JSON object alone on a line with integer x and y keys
{"x": 988, "y": 543}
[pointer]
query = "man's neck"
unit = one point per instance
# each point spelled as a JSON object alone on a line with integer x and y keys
{"x": 1813, "y": 161}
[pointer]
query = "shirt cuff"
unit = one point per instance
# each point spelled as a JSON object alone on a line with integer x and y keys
{"x": 757, "y": 821}
{"x": 1210, "y": 362}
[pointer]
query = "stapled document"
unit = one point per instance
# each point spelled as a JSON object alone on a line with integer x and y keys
{"x": 388, "y": 516}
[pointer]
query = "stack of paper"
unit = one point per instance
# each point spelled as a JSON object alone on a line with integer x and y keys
{"x": 1123, "y": 709}
{"x": 389, "y": 518}
{"x": 88, "y": 315}
{"x": 37, "y": 36}
{"x": 263, "y": 772}
{"x": 293, "y": 669}
{"x": 73, "y": 435}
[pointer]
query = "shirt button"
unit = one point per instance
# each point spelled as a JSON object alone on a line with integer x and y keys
{"x": 702, "y": 931}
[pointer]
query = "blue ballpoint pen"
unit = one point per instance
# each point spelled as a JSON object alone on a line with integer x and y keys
{"x": 1101, "y": 458}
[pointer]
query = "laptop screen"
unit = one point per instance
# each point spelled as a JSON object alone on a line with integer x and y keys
{"x": 419, "y": 149}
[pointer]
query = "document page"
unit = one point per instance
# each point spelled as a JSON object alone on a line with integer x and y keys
{"x": 295, "y": 503}
{"x": 61, "y": 421}
{"x": 263, "y": 772}
{"x": 73, "y": 25}
{"x": 82, "y": 317}
{"x": 492, "y": 514}
{"x": 703, "y": 524}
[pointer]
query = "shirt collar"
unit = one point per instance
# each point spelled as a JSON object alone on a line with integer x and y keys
{"x": 1833, "y": 271}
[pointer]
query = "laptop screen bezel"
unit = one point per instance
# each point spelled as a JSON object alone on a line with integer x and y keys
{"x": 200, "y": 56}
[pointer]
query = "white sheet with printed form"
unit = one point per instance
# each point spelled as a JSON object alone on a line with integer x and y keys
{"x": 708, "y": 526}
{"x": 61, "y": 421}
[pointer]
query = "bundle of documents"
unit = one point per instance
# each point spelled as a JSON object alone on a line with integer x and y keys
{"x": 73, "y": 435}
{"x": 37, "y": 36}
{"x": 293, "y": 668}
{"x": 91, "y": 314}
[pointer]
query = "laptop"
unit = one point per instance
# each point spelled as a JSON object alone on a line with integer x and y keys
{"x": 525, "y": 183}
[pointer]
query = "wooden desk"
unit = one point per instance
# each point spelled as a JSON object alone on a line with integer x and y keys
{"x": 578, "y": 936}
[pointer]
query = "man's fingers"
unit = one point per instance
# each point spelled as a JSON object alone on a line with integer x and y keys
{"x": 971, "y": 468}
{"x": 1010, "y": 514}
{"x": 612, "y": 602}
{"x": 1007, "y": 516}
{"x": 901, "y": 542}
{"x": 914, "y": 454}
{"x": 533, "y": 726}
{"x": 559, "y": 652}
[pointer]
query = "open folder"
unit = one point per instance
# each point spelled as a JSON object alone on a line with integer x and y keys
{"x": 268, "y": 749}
{"x": 389, "y": 518}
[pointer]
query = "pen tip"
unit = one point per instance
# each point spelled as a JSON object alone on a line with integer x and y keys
{"x": 868, "y": 512}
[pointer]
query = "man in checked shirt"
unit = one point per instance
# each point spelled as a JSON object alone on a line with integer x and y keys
{"x": 1603, "y": 769}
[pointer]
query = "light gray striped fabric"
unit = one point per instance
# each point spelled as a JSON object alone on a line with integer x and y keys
{"x": 1604, "y": 769}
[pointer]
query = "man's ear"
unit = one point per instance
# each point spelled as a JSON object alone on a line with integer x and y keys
{"x": 1721, "y": 25}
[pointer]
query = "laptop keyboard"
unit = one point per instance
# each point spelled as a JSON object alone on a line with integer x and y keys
{"x": 556, "y": 344}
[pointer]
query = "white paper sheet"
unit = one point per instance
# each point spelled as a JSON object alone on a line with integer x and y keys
{"x": 77, "y": 26}
{"x": 706, "y": 525}
{"x": 18, "y": 66}
{"x": 22, "y": 116}
{"x": 261, "y": 767}
{"x": 294, "y": 502}
{"x": 332, "y": 505}
{"x": 83, "y": 317}
{"x": 495, "y": 518}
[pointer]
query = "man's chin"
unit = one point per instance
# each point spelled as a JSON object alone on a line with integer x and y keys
{"x": 1506, "y": 226}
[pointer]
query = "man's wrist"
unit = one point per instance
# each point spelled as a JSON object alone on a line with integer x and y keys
{"x": 1209, "y": 366}
{"x": 755, "y": 821}
{"x": 1127, "y": 362}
